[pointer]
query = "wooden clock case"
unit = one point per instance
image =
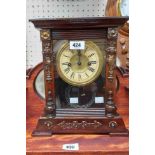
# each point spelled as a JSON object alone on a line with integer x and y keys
{"x": 76, "y": 120}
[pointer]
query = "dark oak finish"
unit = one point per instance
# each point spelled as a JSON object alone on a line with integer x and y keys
{"x": 102, "y": 144}
{"x": 54, "y": 121}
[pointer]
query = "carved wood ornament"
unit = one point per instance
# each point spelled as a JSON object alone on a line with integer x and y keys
{"x": 110, "y": 71}
{"x": 50, "y": 106}
{"x": 105, "y": 120}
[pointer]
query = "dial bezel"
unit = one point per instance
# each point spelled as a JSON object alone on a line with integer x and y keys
{"x": 67, "y": 80}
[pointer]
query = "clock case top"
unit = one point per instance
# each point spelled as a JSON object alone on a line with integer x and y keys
{"x": 73, "y": 28}
{"x": 70, "y": 29}
{"x": 79, "y": 23}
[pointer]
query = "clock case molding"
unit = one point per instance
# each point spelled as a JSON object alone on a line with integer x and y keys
{"x": 54, "y": 120}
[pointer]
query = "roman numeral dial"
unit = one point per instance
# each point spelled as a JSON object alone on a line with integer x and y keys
{"x": 79, "y": 67}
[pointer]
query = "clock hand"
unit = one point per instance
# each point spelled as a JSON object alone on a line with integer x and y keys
{"x": 79, "y": 56}
{"x": 67, "y": 64}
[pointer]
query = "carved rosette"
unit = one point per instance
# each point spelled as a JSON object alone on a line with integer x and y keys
{"x": 112, "y": 33}
{"x": 110, "y": 72}
{"x": 45, "y": 35}
{"x": 49, "y": 124}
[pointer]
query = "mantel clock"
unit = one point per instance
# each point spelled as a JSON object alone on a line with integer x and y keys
{"x": 79, "y": 59}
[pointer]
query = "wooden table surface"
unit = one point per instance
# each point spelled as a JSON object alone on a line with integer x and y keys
{"x": 90, "y": 144}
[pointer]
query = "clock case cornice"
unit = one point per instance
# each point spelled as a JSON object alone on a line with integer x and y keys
{"x": 78, "y": 23}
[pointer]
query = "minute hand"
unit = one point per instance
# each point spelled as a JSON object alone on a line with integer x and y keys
{"x": 79, "y": 56}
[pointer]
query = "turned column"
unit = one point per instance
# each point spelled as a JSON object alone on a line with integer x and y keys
{"x": 110, "y": 107}
{"x": 48, "y": 63}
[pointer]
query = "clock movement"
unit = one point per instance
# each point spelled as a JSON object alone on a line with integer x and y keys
{"x": 79, "y": 60}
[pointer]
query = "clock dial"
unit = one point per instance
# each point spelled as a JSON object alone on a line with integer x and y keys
{"x": 79, "y": 67}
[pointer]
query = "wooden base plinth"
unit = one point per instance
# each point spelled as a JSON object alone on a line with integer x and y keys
{"x": 112, "y": 126}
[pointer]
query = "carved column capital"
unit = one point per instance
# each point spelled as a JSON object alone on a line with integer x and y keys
{"x": 112, "y": 33}
{"x": 45, "y": 34}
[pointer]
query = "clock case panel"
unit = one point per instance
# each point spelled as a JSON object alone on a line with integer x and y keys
{"x": 79, "y": 120}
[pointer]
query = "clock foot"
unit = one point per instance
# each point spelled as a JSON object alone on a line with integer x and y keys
{"x": 36, "y": 133}
{"x": 124, "y": 134}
